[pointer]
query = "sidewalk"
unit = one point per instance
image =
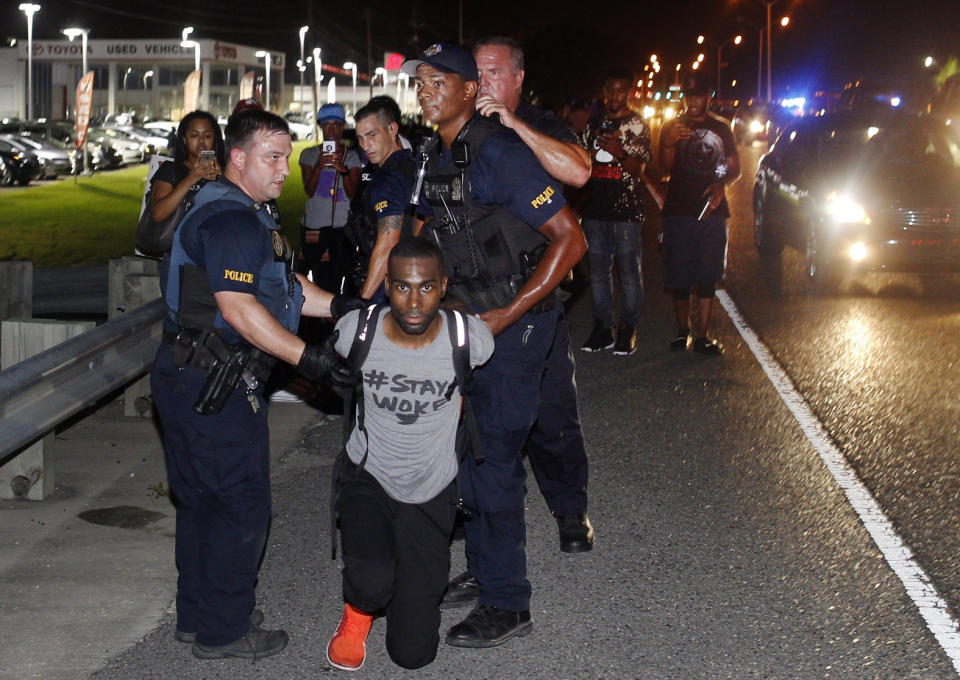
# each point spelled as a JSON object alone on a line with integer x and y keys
{"x": 89, "y": 571}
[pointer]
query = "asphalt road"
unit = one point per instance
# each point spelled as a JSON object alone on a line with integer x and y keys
{"x": 725, "y": 548}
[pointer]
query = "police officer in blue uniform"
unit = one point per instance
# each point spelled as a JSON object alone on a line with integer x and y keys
{"x": 377, "y": 221}
{"x": 232, "y": 308}
{"x": 508, "y": 239}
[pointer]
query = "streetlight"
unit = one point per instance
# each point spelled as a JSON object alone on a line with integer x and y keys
{"x": 191, "y": 43}
{"x": 350, "y": 66}
{"x": 301, "y": 66}
{"x": 382, "y": 72}
{"x": 29, "y": 9}
{"x": 267, "y": 63}
{"x": 317, "y": 72}
{"x": 736, "y": 40}
{"x": 783, "y": 22}
{"x": 148, "y": 74}
{"x": 128, "y": 72}
{"x": 81, "y": 33}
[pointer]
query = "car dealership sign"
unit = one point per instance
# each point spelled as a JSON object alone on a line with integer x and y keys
{"x": 143, "y": 50}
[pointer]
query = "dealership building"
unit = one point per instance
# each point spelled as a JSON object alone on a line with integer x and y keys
{"x": 141, "y": 76}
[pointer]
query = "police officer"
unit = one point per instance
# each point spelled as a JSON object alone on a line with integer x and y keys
{"x": 508, "y": 239}
{"x": 500, "y": 65}
{"x": 232, "y": 306}
{"x": 559, "y": 461}
{"x": 376, "y": 224}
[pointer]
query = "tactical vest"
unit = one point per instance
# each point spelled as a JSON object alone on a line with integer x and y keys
{"x": 191, "y": 304}
{"x": 489, "y": 252}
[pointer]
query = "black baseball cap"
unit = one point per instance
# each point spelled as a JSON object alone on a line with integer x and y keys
{"x": 447, "y": 58}
{"x": 696, "y": 83}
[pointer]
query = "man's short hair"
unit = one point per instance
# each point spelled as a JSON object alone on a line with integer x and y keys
{"x": 383, "y": 111}
{"x": 243, "y": 126}
{"x": 516, "y": 52}
{"x": 417, "y": 248}
{"x": 618, "y": 73}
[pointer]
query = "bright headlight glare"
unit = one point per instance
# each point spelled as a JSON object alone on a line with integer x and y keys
{"x": 669, "y": 113}
{"x": 845, "y": 209}
{"x": 756, "y": 127}
{"x": 858, "y": 252}
{"x": 648, "y": 112}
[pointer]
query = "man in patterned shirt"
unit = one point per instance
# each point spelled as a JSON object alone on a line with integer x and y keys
{"x": 619, "y": 144}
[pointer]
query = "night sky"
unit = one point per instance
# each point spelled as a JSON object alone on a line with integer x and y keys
{"x": 569, "y": 44}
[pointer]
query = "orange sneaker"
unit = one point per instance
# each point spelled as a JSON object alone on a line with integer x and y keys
{"x": 348, "y": 647}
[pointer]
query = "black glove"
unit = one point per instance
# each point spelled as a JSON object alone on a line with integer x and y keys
{"x": 321, "y": 362}
{"x": 341, "y": 304}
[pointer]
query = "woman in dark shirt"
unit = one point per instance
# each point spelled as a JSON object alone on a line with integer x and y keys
{"x": 198, "y": 131}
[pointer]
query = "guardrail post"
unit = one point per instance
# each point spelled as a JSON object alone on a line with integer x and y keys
{"x": 30, "y": 474}
{"x": 16, "y": 289}
{"x": 133, "y": 282}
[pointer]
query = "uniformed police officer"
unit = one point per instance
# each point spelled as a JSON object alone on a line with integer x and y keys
{"x": 508, "y": 239}
{"x": 385, "y": 198}
{"x": 233, "y": 305}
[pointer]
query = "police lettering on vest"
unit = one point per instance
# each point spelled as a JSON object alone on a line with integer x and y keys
{"x": 212, "y": 252}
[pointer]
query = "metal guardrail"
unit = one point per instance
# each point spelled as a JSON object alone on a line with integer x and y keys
{"x": 38, "y": 394}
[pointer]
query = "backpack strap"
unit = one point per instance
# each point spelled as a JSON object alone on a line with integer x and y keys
{"x": 460, "y": 341}
{"x": 353, "y": 408}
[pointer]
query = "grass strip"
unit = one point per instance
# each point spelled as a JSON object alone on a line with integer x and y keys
{"x": 89, "y": 220}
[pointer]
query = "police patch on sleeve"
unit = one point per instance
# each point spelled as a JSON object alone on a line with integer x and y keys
{"x": 234, "y": 275}
{"x": 544, "y": 198}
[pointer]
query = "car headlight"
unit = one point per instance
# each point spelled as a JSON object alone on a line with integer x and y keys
{"x": 669, "y": 113}
{"x": 846, "y": 210}
{"x": 756, "y": 127}
{"x": 648, "y": 112}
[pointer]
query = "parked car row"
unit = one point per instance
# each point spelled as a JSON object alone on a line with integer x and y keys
{"x": 45, "y": 149}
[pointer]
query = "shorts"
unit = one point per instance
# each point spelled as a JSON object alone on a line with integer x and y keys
{"x": 695, "y": 251}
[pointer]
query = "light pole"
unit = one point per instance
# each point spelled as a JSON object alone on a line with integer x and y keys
{"x": 759, "y": 30}
{"x": 352, "y": 67}
{"x": 317, "y": 72}
{"x": 82, "y": 33}
{"x": 405, "y": 79}
{"x": 301, "y": 66}
{"x": 267, "y": 63}
{"x": 382, "y": 72}
{"x": 736, "y": 40}
{"x": 148, "y": 74}
{"x": 29, "y": 9}
{"x": 191, "y": 43}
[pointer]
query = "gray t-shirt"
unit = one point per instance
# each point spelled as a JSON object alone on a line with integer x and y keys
{"x": 321, "y": 209}
{"x": 411, "y": 425}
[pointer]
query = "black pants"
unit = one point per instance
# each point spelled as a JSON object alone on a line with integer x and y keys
{"x": 396, "y": 557}
{"x": 218, "y": 468}
{"x": 329, "y": 255}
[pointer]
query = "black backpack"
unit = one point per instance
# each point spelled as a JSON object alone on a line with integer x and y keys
{"x": 353, "y": 402}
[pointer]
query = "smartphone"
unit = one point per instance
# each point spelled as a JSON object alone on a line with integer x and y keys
{"x": 208, "y": 155}
{"x": 329, "y": 146}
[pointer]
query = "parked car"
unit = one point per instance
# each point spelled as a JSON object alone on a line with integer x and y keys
{"x": 301, "y": 124}
{"x": 129, "y": 149}
{"x": 54, "y": 159}
{"x": 17, "y": 165}
{"x": 857, "y": 193}
{"x": 155, "y": 140}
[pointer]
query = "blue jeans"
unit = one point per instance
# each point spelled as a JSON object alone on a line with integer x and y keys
{"x": 621, "y": 242}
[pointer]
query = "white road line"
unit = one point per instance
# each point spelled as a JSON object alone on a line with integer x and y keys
{"x": 932, "y": 607}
